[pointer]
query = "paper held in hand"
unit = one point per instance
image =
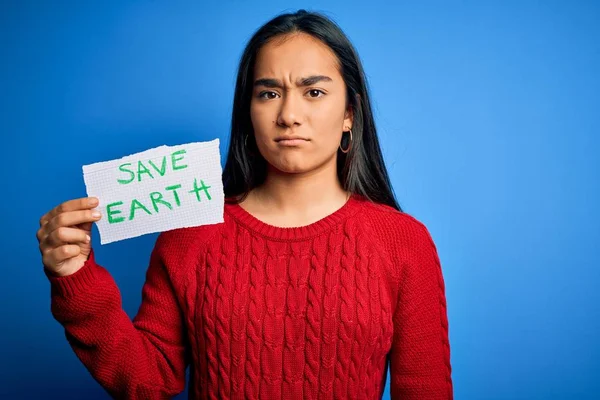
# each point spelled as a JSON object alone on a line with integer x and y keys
{"x": 160, "y": 189}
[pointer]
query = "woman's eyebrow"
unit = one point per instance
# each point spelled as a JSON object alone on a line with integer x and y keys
{"x": 311, "y": 80}
{"x": 308, "y": 81}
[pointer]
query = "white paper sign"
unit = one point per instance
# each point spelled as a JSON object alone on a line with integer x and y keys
{"x": 157, "y": 190}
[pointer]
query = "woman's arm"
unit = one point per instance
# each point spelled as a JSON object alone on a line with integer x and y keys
{"x": 142, "y": 359}
{"x": 420, "y": 356}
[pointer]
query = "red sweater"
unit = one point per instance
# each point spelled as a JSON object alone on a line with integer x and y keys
{"x": 264, "y": 312}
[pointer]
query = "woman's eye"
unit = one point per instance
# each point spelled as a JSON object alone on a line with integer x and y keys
{"x": 267, "y": 95}
{"x": 315, "y": 92}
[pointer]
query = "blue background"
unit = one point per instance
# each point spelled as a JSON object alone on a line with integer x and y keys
{"x": 488, "y": 115}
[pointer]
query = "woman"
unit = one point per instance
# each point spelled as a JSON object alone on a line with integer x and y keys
{"x": 315, "y": 280}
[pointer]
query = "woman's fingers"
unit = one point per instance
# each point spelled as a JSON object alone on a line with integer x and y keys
{"x": 84, "y": 203}
{"x": 59, "y": 254}
{"x": 69, "y": 219}
{"x": 64, "y": 235}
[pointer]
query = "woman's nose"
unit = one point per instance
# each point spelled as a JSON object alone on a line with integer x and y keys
{"x": 290, "y": 111}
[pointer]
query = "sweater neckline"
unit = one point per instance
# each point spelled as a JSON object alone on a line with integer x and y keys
{"x": 349, "y": 208}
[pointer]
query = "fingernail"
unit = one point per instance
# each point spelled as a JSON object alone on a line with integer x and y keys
{"x": 87, "y": 238}
{"x": 96, "y": 214}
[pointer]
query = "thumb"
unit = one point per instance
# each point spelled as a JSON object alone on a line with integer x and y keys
{"x": 87, "y": 226}
{"x": 86, "y": 248}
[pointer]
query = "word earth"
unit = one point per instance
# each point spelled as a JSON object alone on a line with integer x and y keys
{"x": 156, "y": 198}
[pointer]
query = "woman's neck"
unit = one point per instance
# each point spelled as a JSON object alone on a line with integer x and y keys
{"x": 296, "y": 199}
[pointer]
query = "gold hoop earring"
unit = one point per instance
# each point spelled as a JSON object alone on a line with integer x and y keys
{"x": 349, "y": 145}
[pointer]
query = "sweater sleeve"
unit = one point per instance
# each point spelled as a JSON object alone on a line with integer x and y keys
{"x": 420, "y": 355}
{"x": 140, "y": 359}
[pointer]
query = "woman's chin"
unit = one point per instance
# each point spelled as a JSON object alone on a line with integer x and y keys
{"x": 292, "y": 169}
{"x": 291, "y": 166}
{"x": 298, "y": 163}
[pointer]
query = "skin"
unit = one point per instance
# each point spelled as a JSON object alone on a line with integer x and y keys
{"x": 65, "y": 235}
{"x": 301, "y": 186}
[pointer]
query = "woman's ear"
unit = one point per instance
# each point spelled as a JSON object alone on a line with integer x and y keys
{"x": 349, "y": 115}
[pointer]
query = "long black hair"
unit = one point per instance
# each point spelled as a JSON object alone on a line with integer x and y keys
{"x": 362, "y": 170}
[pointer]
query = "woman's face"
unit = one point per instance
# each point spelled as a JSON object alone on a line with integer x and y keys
{"x": 298, "y": 94}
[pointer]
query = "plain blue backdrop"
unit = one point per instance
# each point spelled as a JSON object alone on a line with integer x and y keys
{"x": 488, "y": 115}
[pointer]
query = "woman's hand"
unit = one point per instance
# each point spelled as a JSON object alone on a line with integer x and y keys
{"x": 65, "y": 235}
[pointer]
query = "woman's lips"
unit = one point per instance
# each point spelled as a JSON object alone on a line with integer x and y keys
{"x": 291, "y": 142}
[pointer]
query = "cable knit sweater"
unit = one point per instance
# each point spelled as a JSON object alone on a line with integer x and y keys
{"x": 265, "y": 312}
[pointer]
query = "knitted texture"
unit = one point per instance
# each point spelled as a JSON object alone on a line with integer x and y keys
{"x": 263, "y": 312}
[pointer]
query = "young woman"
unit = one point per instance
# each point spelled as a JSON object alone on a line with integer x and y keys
{"x": 315, "y": 281}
